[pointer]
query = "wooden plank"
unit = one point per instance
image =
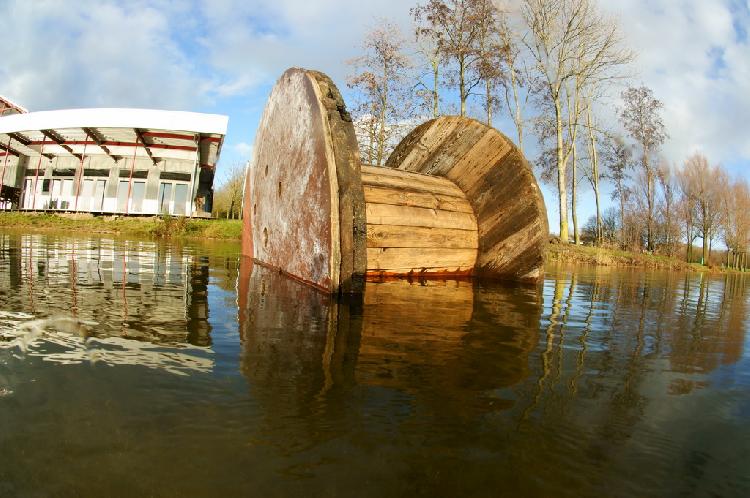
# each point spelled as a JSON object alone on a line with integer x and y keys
{"x": 409, "y": 181}
{"x": 409, "y": 236}
{"x": 351, "y": 204}
{"x": 417, "y": 258}
{"x": 396, "y": 197}
{"x": 498, "y": 183}
{"x": 386, "y": 214}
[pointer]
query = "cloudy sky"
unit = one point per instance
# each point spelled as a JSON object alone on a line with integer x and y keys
{"x": 223, "y": 56}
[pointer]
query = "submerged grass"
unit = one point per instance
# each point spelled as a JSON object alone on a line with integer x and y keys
{"x": 161, "y": 227}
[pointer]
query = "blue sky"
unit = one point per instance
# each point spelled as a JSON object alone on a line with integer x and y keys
{"x": 223, "y": 56}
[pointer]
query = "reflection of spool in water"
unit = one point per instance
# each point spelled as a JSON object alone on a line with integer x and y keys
{"x": 439, "y": 336}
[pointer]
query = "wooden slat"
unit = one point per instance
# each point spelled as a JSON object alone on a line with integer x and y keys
{"x": 396, "y": 197}
{"x": 409, "y": 181}
{"x": 409, "y": 236}
{"x": 404, "y": 259}
{"x": 386, "y": 214}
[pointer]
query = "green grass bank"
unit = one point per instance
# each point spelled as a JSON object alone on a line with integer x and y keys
{"x": 600, "y": 256}
{"x": 160, "y": 227}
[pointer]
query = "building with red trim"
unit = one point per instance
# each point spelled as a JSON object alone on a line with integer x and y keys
{"x": 109, "y": 161}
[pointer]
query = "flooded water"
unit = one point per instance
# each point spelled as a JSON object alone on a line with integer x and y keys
{"x": 133, "y": 368}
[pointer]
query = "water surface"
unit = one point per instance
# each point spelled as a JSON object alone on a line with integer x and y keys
{"x": 134, "y": 368}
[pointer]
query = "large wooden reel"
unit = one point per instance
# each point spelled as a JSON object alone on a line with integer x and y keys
{"x": 456, "y": 197}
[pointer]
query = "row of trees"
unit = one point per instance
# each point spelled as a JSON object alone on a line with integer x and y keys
{"x": 691, "y": 202}
{"x": 554, "y": 68}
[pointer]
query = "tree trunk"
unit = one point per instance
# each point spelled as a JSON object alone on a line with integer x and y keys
{"x": 462, "y": 85}
{"x": 705, "y": 249}
{"x": 622, "y": 214}
{"x": 518, "y": 120}
{"x": 383, "y": 109}
{"x": 595, "y": 175}
{"x": 488, "y": 97}
{"x": 649, "y": 202}
{"x": 435, "y": 82}
{"x": 574, "y": 194}
{"x": 562, "y": 187}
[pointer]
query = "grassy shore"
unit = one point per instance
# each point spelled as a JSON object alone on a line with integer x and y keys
{"x": 161, "y": 227}
{"x": 596, "y": 256}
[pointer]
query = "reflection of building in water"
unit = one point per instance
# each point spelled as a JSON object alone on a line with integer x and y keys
{"x": 414, "y": 339}
{"x": 133, "y": 289}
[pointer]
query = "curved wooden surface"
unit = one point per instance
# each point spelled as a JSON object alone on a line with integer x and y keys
{"x": 498, "y": 183}
{"x": 303, "y": 204}
{"x": 417, "y": 225}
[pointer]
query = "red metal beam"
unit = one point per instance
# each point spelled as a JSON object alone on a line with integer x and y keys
{"x": 9, "y": 150}
{"x": 121, "y": 144}
{"x": 98, "y": 140}
{"x": 59, "y": 140}
{"x": 139, "y": 137}
{"x": 176, "y": 136}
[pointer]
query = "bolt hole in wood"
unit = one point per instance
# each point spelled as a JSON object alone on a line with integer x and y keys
{"x": 279, "y": 192}
{"x": 265, "y": 237}
{"x": 266, "y": 170}
{"x": 255, "y": 209}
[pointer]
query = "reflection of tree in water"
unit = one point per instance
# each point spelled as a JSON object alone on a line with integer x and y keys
{"x": 625, "y": 343}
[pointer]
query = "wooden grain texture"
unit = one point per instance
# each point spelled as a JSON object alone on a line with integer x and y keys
{"x": 396, "y": 197}
{"x": 498, "y": 183}
{"x": 351, "y": 203}
{"x": 387, "y": 214}
{"x": 411, "y": 236}
{"x": 295, "y": 218}
{"x": 407, "y": 259}
{"x": 304, "y": 205}
{"x": 417, "y": 183}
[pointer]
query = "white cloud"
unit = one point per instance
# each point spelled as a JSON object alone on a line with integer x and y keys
{"x": 244, "y": 149}
{"x": 94, "y": 54}
{"x": 695, "y": 57}
{"x": 202, "y": 55}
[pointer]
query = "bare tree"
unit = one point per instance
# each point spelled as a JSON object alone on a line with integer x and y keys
{"x": 490, "y": 47}
{"x": 687, "y": 210}
{"x": 736, "y": 227}
{"x": 428, "y": 46}
{"x": 454, "y": 25}
{"x": 516, "y": 77}
{"x": 592, "y": 173}
{"x": 665, "y": 174}
{"x": 618, "y": 157}
{"x": 707, "y": 184}
{"x": 641, "y": 118}
{"x": 569, "y": 40}
{"x": 383, "y": 84}
{"x": 228, "y": 196}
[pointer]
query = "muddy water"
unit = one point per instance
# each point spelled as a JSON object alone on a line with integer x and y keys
{"x": 132, "y": 368}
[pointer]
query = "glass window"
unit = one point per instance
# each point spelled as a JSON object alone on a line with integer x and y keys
{"x": 85, "y": 196}
{"x": 139, "y": 192}
{"x": 180, "y": 198}
{"x": 98, "y": 200}
{"x": 122, "y": 196}
{"x": 165, "y": 196}
{"x": 45, "y": 186}
{"x": 28, "y": 193}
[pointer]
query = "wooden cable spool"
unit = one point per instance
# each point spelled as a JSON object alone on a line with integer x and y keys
{"x": 456, "y": 197}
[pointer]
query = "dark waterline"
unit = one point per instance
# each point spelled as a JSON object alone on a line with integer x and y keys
{"x": 133, "y": 368}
